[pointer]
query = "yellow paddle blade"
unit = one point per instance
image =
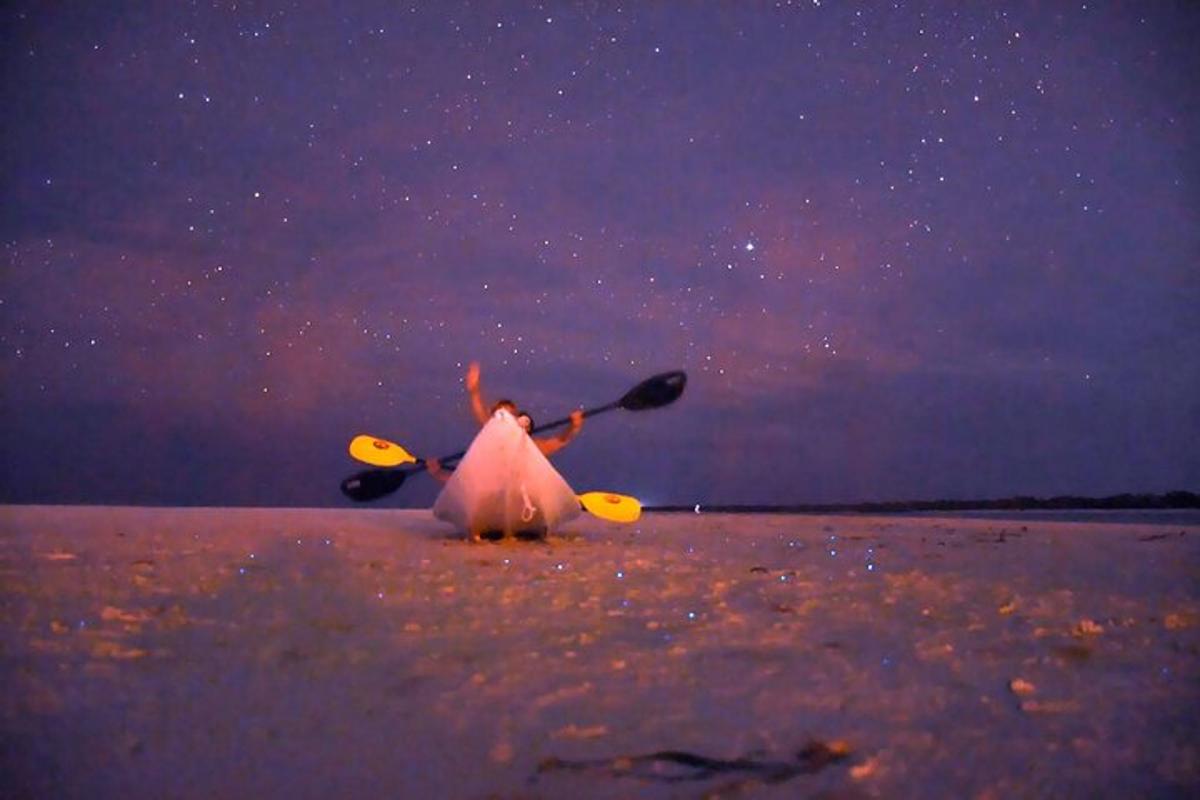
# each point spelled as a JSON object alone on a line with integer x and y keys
{"x": 612, "y": 507}
{"x": 379, "y": 452}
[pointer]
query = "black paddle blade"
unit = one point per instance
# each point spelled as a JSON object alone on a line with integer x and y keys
{"x": 656, "y": 392}
{"x": 372, "y": 484}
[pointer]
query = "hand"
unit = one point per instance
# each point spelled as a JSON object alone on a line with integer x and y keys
{"x": 473, "y": 376}
{"x": 577, "y": 419}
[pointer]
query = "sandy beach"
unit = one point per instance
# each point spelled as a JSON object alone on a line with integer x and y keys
{"x": 200, "y": 653}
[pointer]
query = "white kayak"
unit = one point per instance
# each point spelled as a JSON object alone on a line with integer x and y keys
{"x": 505, "y": 486}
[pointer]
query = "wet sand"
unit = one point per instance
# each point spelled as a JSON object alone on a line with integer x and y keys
{"x": 199, "y": 653}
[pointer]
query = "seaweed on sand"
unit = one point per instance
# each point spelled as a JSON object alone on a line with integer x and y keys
{"x": 674, "y": 766}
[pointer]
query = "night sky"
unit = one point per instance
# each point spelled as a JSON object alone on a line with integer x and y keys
{"x": 909, "y": 250}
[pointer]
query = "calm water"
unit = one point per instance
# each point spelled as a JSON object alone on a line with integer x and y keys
{"x": 1166, "y": 516}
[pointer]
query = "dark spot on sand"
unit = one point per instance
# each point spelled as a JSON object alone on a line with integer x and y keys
{"x": 334, "y": 625}
{"x": 292, "y": 655}
{"x": 1186, "y": 649}
{"x": 1073, "y": 653}
{"x": 758, "y": 569}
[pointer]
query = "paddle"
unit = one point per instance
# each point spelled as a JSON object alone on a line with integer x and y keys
{"x": 379, "y": 452}
{"x": 654, "y": 392}
{"x": 372, "y": 484}
{"x": 606, "y": 505}
{"x": 612, "y": 507}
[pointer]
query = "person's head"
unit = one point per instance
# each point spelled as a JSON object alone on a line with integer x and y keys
{"x": 525, "y": 421}
{"x": 507, "y": 405}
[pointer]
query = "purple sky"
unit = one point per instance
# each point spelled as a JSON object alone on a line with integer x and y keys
{"x": 903, "y": 251}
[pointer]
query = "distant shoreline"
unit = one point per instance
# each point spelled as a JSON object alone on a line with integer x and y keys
{"x": 1118, "y": 502}
{"x": 1171, "y": 501}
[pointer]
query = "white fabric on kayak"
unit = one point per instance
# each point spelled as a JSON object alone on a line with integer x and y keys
{"x": 504, "y": 483}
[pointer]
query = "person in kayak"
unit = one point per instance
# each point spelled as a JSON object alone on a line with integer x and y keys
{"x": 548, "y": 446}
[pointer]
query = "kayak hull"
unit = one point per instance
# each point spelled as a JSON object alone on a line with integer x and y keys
{"x": 504, "y": 486}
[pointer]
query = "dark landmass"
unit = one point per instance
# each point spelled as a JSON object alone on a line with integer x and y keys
{"x": 1169, "y": 500}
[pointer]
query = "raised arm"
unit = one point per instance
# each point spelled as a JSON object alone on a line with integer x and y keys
{"x": 478, "y": 407}
{"x": 553, "y": 444}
